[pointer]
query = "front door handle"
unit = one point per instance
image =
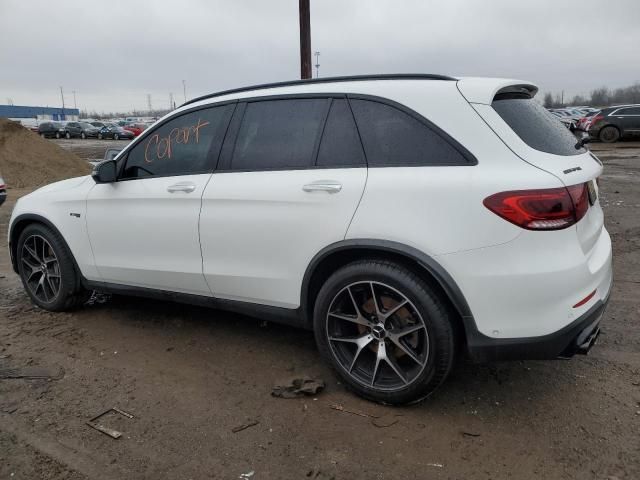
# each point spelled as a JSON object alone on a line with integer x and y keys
{"x": 329, "y": 186}
{"x": 186, "y": 187}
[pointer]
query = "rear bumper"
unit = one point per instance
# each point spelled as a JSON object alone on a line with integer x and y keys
{"x": 575, "y": 338}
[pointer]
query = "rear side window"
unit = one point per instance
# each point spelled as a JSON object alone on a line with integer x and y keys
{"x": 184, "y": 145}
{"x": 279, "y": 134}
{"x": 536, "y": 127}
{"x": 628, "y": 111}
{"x": 392, "y": 137}
{"x": 340, "y": 144}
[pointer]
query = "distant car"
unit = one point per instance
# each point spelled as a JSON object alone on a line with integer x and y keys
{"x": 51, "y": 130}
{"x": 98, "y": 125}
{"x": 80, "y": 129}
{"x": 614, "y": 123}
{"x": 3, "y": 191}
{"x": 584, "y": 123}
{"x": 114, "y": 131}
{"x": 566, "y": 120}
{"x": 135, "y": 128}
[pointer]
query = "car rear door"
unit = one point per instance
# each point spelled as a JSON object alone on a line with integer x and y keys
{"x": 283, "y": 191}
{"x": 144, "y": 227}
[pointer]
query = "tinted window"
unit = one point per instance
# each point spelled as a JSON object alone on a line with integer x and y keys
{"x": 392, "y": 137}
{"x": 533, "y": 124}
{"x": 629, "y": 111}
{"x": 180, "y": 146}
{"x": 340, "y": 144}
{"x": 278, "y": 134}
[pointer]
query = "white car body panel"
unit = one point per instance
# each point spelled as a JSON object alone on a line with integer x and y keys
{"x": 145, "y": 236}
{"x": 260, "y": 230}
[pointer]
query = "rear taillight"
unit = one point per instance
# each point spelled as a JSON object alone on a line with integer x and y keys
{"x": 544, "y": 209}
{"x": 595, "y": 118}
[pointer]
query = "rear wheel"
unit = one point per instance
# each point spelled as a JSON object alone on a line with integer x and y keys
{"x": 67, "y": 135}
{"x": 385, "y": 331}
{"x": 83, "y": 136}
{"x": 57, "y": 134}
{"x": 47, "y": 270}
{"x": 609, "y": 134}
{"x": 99, "y": 136}
{"x": 116, "y": 136}
{"x": 43, "y": 135}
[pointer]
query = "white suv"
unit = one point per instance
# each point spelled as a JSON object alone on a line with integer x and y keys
{"x": 406, "y": 219}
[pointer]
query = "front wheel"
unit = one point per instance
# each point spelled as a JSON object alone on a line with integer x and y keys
{"x": 99, "y": 136}
{"x": 115, "y": 136}
{"x": 67, "y": 135}
{"x": 47, "y": 270}
{"x": 609, "y": 134}
{"x": 57, "y": 134}
{"x": 387, "y": 334}
{"x": 83, "y": 136}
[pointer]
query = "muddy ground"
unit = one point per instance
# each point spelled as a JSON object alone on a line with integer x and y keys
{"x": 190, "y": 376}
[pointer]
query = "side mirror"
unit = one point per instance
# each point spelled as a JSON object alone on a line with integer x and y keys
{"x": 105, "y": 172}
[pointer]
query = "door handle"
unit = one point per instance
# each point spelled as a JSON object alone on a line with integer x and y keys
{"x": 186, "y": 187}
{"x": 329, "y": 186}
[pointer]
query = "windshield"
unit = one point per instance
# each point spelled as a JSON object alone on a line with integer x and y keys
{"x": 536, "y": 126}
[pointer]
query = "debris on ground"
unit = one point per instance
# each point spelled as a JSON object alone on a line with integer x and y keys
{"x": 247, "y": 475}
{"x": 244, "y": 426}
{"x": 470, "y": 434}
{"x": 98, "y": 298}
{"x": 297, "y": 387}
{"x": 106, "y": 430}
{"x": 32, "y": 373}
{"x": 340, "y": 408}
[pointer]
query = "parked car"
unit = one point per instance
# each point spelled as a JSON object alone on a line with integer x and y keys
{"x": 51, "y": 130}
{"x": 566, "y": 119}
{"x": 114, "y": 131}
{"x": 584, "y": 123}
{"x": 406, "y": 219}
{"x": 80, "y": 129}
{"x": 614, "y": 123}
{"x": 135, "y": 128}
{"x": 3, "y": 191}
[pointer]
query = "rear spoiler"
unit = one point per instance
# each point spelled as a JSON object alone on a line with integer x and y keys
{"x": 485, "y": 90}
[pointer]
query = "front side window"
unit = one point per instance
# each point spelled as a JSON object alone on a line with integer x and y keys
{"x": 392, "y": 137}
{"x": 184, "y": 145}
{"x": 631, "y": 111}
{"x": 533, "y": 124}
{"x": 278, "y": 134}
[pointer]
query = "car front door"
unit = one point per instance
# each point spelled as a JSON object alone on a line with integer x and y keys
{"x": 283, "y": 191}
{"x": 629, "y": 119}
{"x": 144, "y": 227}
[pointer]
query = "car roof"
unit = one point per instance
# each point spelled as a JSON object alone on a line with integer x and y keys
{"x": 474, "y": 89}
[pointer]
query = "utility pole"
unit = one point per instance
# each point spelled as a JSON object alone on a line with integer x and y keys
{"x": 171, "y": 107}
{"x": 184, "y": 90}
{"x": 149, "y": 103}
{"x": 305, "y": 39}
{"x": 75, "y": 105}
{"x": 62, "y": 96}
{"x": 317, "y": 54}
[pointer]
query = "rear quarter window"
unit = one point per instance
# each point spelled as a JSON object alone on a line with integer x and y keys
{"x": 536, "y": 126}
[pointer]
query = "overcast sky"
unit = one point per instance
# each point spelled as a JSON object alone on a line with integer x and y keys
{"x": 113, "y": 53}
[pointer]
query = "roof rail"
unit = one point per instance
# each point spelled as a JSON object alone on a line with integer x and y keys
{"x": 385, "y": 76}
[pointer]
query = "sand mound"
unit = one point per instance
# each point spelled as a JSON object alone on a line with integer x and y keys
{"x": 28, "y": 161}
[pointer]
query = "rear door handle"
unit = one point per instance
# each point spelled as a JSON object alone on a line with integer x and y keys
{"x": 186, "y": 187}
{"x": 329, "y": 186}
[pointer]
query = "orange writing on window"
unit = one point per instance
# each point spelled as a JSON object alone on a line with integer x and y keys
{"x": 162, "y": 147}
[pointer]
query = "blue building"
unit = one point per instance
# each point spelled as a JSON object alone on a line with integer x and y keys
{"x": 20, "y": 112}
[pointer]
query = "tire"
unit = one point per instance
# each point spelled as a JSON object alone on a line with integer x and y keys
{"x": 417, "y": 338}
{"x": 116, "y": 136}
{"x": 40, "y": 248}
{"x": 99, "y": 136}
{"x": 57, "y": 134}
{"x": 42, "y": 135}
{"x": 609, "y": 134}
{"x": 67, "y": 135}
{"x": 83, "y": 136}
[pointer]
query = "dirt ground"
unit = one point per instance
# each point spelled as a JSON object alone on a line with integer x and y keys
{"x": 190, "y": 376}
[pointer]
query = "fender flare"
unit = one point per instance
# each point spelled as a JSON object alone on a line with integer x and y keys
{"x": 441, "y": 276}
